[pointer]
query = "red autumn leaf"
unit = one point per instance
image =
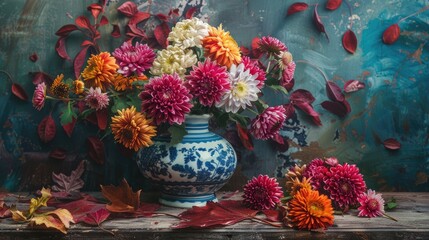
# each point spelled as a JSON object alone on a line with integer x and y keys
{"x": 4, "y": 210}
{"x": 145, "y": 210}
{"x": 137, "y": 18}
{"x": 58, "y": 154}
{"x": 116, "y": 32}
{"x": 86, "y": 43}
{"x": 318, "y": 22}
{"x": 288, "y": 82}
{"x": 102, "y": 116}
{"x": 391, "y": 34}
{"x": 350, "y": 41}
{"x": 162, "y": 17}
{"x": 83, "y": 22}
{"x": 96, "y": 150}
{"x": 33, "y": 57}
{"x": 79, "y": 61}
{"x": 308, "y": 108}
{"x": 122, "y": 198}
{"x": 244, "y": 51}
{"x": 333, "y": 4}
{"x": 47, "y": 129}
{"x": 290, "y": 110}
{"x": 190, "y": 13}
{"x": 273, "y": 215}
{"x": 161, "y": 33}
{"x": 19, "y": 92}
{"x": 174, "y": 12}
{"x": 95, "y": 218}
{"x": 92, "y": 118}
{"x": 223, "y": 213}
{"x": 103, "y": 21}
{"x": 280, "y": 144}
{"x": 128, "y": 8}
{"x": 255, "y": 47}
{"x": 245, "y": 138}
{"x": 296, "y": 7}
{"x": 392, "y": 144}
{"x": 353, "y": 86}
{"x": 60, "y": 47}
{"x": 80, "y": 208}
{"x": 334, "y": 91}
{"x": 301, "y": 95}
{"x": 39, "y": 77}
{"x": 72, "y": 183}
{"x": 336, "y": 108}
{"x": 69, "y": 127}
{"x": 65, "y": 30}
{"x": 347, "y": 106}
{"x": 95, "y": 9}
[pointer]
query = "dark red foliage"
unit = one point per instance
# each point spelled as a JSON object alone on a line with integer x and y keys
{"x": 190, "y": 13}
{"x": 47, "y": 129}
{"x": 116, "y": 32}
{"x": 33, "y": 57}
{"x": 96, "y": 150}
{"x": 318, "y": 22}
{"x": 39, "y": 77}
{"x": 95, "y": 218}
{"x": 95, "y": 9}
{"x": 79, "y": 61}
{"x": 60, "y": 47}
{"x": 296, "y": 7}
{"x": 83, "y": 22}
{"x": 81, "y": 208}
{"x": 161, "y": 33}
{"x": 65, "y": 30}
{"x": 68, "y": 128}
{"x": 102, "y": 116}
{"x": 333, "y": 4}
{"x": 245, "y": 138}
{"x": 334, "y": 91}
{"x": 392, "y": 144}
{"x": 58, "y": 154}
{"x": 391, "y": 34}
{"x": 337, "y": 108}
{"x": 19, "y": 92}
{"x": 302, "y": 99}
{"x": 301, "y": 95}
{"x": 103, "y": 21}
{"x": 128, "y": 8}
{"x": 350, "y": 41}
{"x": 290, "y": 110}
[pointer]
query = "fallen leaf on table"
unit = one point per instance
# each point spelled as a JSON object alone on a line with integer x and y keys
{"x": 97, "y": 217}
{"x": 122, "y": 197}
{"x": 71, "y": 183}
{"x": 59, "y": 219}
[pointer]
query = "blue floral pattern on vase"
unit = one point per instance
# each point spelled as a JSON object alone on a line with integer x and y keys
{"x": 190, "y": 172}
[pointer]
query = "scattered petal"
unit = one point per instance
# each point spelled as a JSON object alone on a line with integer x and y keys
{"x": 392, "y": 144}
{"x": 318, "y": 22}
{"x": 391, "y": 34}
{"x": 333, "y": 4}
{"x": 33, "y": 57}
{"x": 334, "y": 92}
{"x": 296, "y": 7}
{"x": 350, "y": 41}
{"x": 353, "y": 86}
{"x": 19, "y": 92}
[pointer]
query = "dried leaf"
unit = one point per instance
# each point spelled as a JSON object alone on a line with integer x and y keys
{"x": 80, "y": 208}
{"x": 273, "y": 215}
{"x": 391, "y": 34}
{"x": 353, "y": 86}
{"x": 59, "y": 219}
{"x": 392, "y": 144}
{"x": 33, "y": 57}
{"x": 308, "y": 109}
{"x": 95, "y": 218}
{"x": 19, "y": 92}
{"x": 334, "y": 92}
{"x": 4, "y": 210}
{"x": 128, "y": 8}
{"x": 71, "y": 183}
{"x": 95, "y": 9}
{"x": 350, "y": 41}
{"x": 190, "y": 13}
{"x": 103, "y": 21}
{"x": 122, "y": 197}
{"x": 336, "y": 108}
{"x": 79, "y": 61}
{"x": 318, "y": 22}
{"x": 83, "y": 22}
{"x": 333, "y": 4}
{"x": 60, "y": 47}
{"x": 58, "y": 154}
{"x": 161, "y": 33}
{"x": 47, "y": 129}
{"x": 223, "y": 213}
{"x": 116, "y": 32}
{"x": 145, "y": 210}
{"x": 301, "y": 95}
{"x": 244, "y": 136}
{"x": 296, "y": 7}
{"x": 65, "y": 30}
{"x": 87, "y": 43}
{"x": 96, "y": 150}
{"x": 69, "y": 127}
{"x": 102, "y": 116}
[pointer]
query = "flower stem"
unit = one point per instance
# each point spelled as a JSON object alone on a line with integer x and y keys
{"x": 257, "y": 219}
{"x": 391, "y": 218}
{"x": 351, "y": 14}
{"x": 316, "y": 67}
{"x": 8, "y": 75}
{"x": 105, "y": 230}
{"x": 418, "y": 12}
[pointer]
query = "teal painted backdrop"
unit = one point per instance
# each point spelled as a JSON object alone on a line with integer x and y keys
{"x": 394, "y": 104}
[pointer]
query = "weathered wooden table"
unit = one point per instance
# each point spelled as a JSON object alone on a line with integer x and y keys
{"x": 412, "y": 214}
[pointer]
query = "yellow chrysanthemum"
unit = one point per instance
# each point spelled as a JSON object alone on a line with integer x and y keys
{"x": 78, "y": 87}
{"x": 59, "y": 88}
{"x": 294, "y": 172}
{"x": 132, "y": 129}
{"x": 100, "y": 71}
{"x": 221, "y": 47}
{"x": 122, "y": 83}
{"x": 173, "y": 59}
{"x": 298, "y": 184}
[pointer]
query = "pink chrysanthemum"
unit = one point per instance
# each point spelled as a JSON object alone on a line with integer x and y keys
{"x": 39, "y": 96}
{"x": 262, "y": 193}
{"x": 344, "y": 184}
{"x": 133, "y": 59}
{"x": 208, "y": 82}
{"x": 96, "y": 99}
{"x": 253, "y": 68}
{"x": 316, "y": 172}
{"x": 287, "y": 80}
{"x": 268, "y": 123}
{"x": 271, "y": 45}
{"x": 371, "y": 204}
{"x": 166, "y": 99}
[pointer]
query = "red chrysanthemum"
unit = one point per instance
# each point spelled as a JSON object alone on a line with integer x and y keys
{"x": 166, "y": 99}
{"x": 268, "y": 123}
{"x": 262, "y": 193}
{"x": 134, "y": 59}
{"x": 208, "y": 82}
{"x": 344, "y": 184}
{"x": 271, "y": 45}
{"x": 254, "y": 68}
{"x": 316, "y": 172}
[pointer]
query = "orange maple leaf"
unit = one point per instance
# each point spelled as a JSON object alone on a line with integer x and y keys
{"x": 122, "y": 197}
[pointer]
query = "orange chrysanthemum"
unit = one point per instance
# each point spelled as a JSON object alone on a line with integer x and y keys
{"x": 221, "y": 47}
{"x": 78, "y": 87}
{"x": 100, "y": 71}
{"x": 298, "y": 184}
{"x": 132, "y": 129}
{"x": 122, "y": 83}
{"x": 59, "y": 88}
{"x": 309, "y": 210}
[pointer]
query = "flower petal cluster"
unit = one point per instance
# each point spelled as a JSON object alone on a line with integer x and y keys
{"x": 254, "y": 69}
{"x": 262, "y": 193}
{"x": 173, "y": 59}
{"x": 188, "y": 33}
{"x": 371, "y": 204}
{"x": 133, "y": 59}
{"x": 271, "y": 45}
{"x": 96, "y": 99}
{"x": 59, "y": 88}
{"x": 221, "y": 47}
{"x": 267, "y": 124}
{"x": 316, "y": 171}
{"x": 100, "y": 71}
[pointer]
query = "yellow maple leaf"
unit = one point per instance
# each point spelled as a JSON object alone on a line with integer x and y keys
{"x": 36, "y": 203}
{"x": 59, "y": 219}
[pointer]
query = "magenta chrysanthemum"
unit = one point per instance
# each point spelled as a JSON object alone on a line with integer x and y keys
{"x": 262, "y": 193}
{"x": 133, "y": 59}
{"x": 271, "y": 45}
{"x": 208, "y": 82}
{"x": 96, "y": 99}
{"x": 316, "y": 172}
{"x": 268, "y": 123}
{"x": 39, "y": 96}
{"x": 253, "y": 68}
{"x": 371, "y": 204}
{"x": 331, "y": 161}
{"x": 344, "y": 184}
{"x": 166, "y": 99}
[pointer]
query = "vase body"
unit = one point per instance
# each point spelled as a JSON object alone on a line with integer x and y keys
{"x": 190, "y": 172}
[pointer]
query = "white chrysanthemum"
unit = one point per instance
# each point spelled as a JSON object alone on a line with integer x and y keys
{"x": 244, "y": 89}
{"x": 189, "y": 33}
{"x": 173, "y": 59}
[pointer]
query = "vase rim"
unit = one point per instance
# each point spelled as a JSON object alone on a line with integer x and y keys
{"x": 206, "y": 115}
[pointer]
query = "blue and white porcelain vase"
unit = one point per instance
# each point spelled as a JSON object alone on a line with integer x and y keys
{"x": 189, "y": 173}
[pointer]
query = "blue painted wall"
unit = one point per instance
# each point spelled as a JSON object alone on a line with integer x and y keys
{"x": 395, "y": 103}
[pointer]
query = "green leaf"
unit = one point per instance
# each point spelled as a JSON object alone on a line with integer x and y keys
{"x": 261, "y": 106}
{"x": 278, "y": 88}
{"x": 138, "y": 83}
{"x": 222, "y": 120}
{"x": 118, "y": 105}
{"x": 85, "y": 113}
{"x": 134, "y": 100}
{"x": 391, "y": 204}
{"x": 242, "y": 120}
{"x": 177, "y": 133}
{"x": 68, "y": 113}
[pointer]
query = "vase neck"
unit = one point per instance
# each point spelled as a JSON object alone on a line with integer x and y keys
{"x": 197, "y": 124}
